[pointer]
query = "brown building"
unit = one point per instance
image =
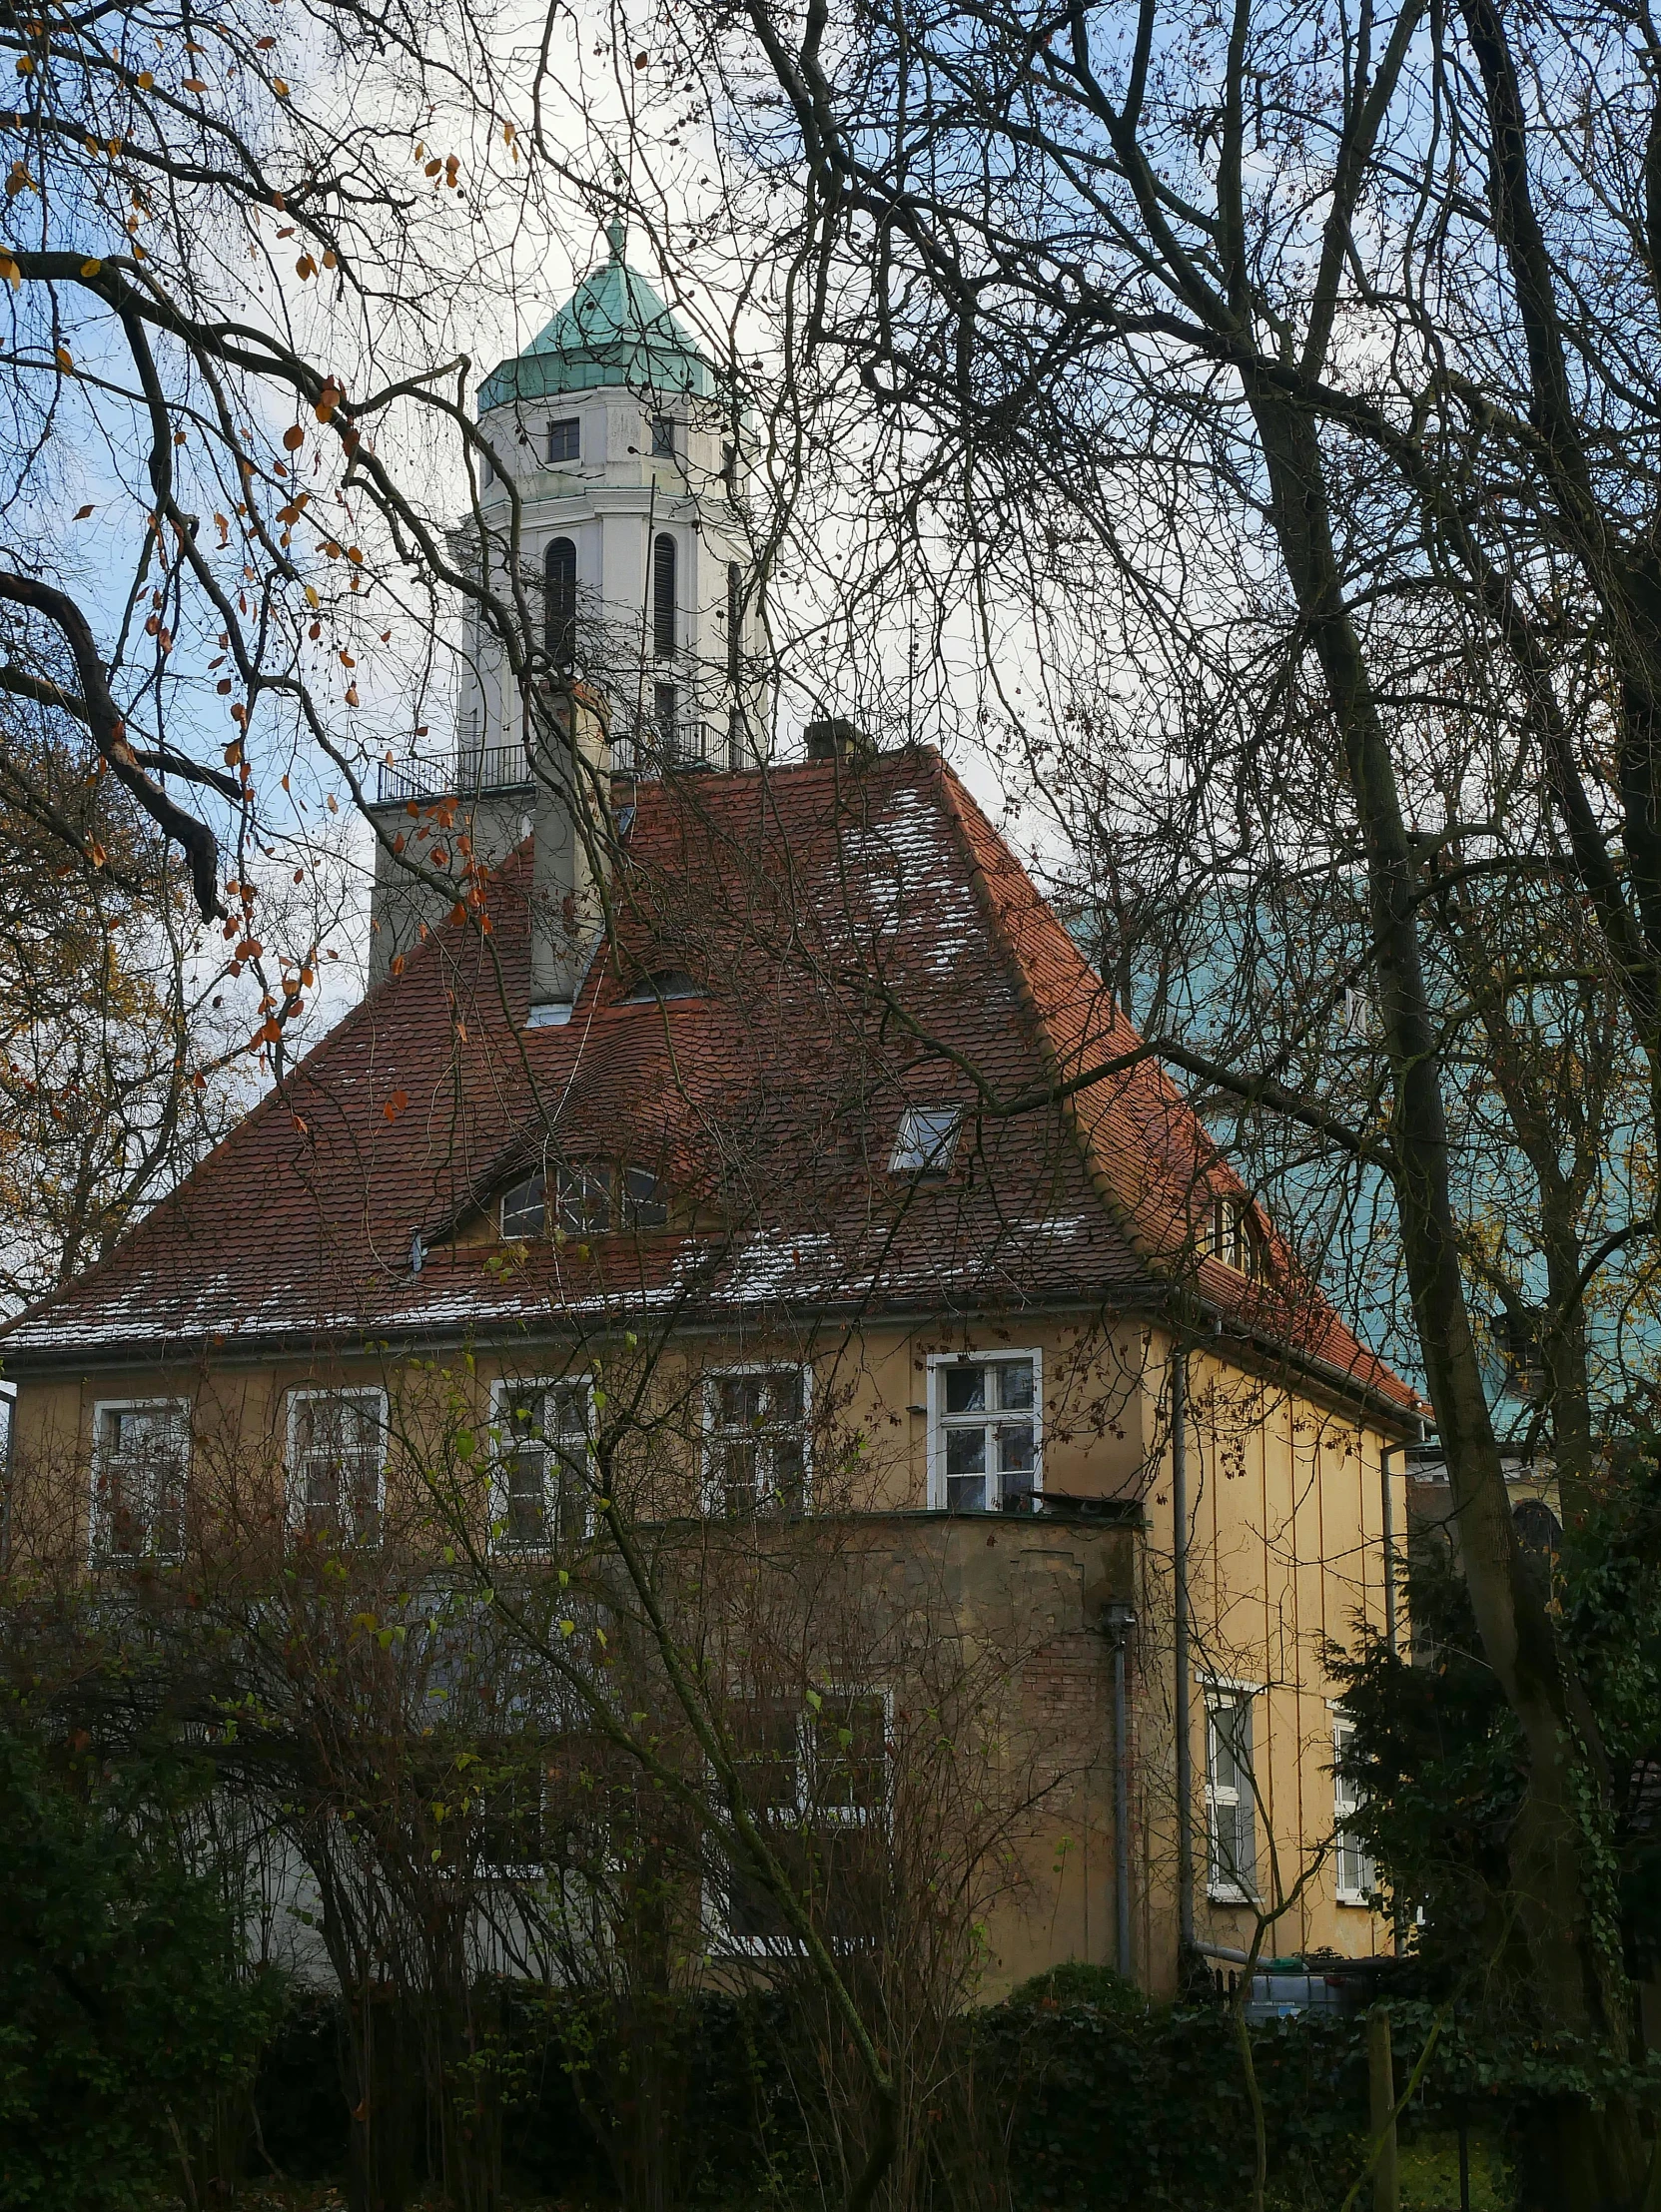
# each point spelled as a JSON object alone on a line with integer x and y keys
{"x": 827, "y": 1208}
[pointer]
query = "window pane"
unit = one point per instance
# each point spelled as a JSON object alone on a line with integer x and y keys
{"x": 787, "y": 1472}
{"x": 644, "y": 1205}
{"x": 527, "y": 1507}
{"x": 523, "y": 1207}
{"x": 784, "y": 1390}
{"x": 965, "y": 1389}
{"x": 662, "y": 437}
{"x": 849, "y": 1735}
{"x": 1015, "y": 1447}
{"x": 734, "y": 1467}
{"x": 738, "y": 1401}
{"x": 966, "y": 1451}
{"x": 966, "y": 1493}
{"x": 1015, "y": 1385}
{"x": 565, "y": 439}
{"x": 585, "y": 1200}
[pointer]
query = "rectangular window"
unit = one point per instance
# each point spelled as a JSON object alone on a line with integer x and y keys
{"x": 1356, "y": 1877}
{"x": 817, "y": 1775}
{"x": 510, "y": 1825}
{"x": 565, "y": 439}
{"x": 1231, "y": 1808}
{"x": 755, "y": 1441}
{"x": 662, "y": 437}
{"x": 984, "y": 1452}
{"x": 140, "y": 1459}
{"x": 524, "y": 1207}
{"x": 926, "y": 1139}
{"x": 337, "y": 1462}
{"x": 540, "y": 1432}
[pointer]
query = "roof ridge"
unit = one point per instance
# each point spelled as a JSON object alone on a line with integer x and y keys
{"x": 958, "y": 801}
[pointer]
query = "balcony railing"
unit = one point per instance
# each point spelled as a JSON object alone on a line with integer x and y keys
{"x": 464, "y": 775}
{"x": 648, "y": 749}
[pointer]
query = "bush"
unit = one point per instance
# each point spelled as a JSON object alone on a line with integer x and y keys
{"x": 125, "y": 2022}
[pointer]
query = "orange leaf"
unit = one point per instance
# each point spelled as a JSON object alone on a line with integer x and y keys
{"x": 294, "y": 438}
{"x": 396, "y": 1105}
{"x": 81, "y": 513}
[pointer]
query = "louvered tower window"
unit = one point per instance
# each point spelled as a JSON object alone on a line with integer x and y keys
{"x": 559, "y": 570}
{"x": 664, "y": 596}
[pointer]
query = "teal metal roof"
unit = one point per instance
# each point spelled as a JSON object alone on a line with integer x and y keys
{"x": 614, "y": 330}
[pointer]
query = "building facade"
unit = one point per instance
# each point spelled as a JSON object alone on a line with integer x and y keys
{"x": 835, "y": 1246}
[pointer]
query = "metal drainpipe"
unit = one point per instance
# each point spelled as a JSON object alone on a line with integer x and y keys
{"x": 1179, "y": 1626}
{"x": 1118, "y": 1619}
{"x": 1384, "y": 1451}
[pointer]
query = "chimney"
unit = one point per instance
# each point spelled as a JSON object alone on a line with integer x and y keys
{"x": 838, "y": 739}
{"x": 573, "y": 756}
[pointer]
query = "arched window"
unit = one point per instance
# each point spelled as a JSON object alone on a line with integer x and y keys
{"x": 664, "y": 596}
{"x": 559, "y": 597}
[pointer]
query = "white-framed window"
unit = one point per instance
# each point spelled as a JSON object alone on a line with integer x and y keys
{"x": 985, "y": 1432}
{"x": 756, "y": 1456}
{"x": 926, "y": 1141}
{"x": 1229, "y": 1233}
{"x": 141, "y": 1458}
{"x": 1230, "y": 1805}
{"x": 1355, "y": 1877}
{"x": 817, "y": 1775}
{"x": 337, "y": 1462}
{"x": 565, "y": 439}
{"x": 539, "y": 1435}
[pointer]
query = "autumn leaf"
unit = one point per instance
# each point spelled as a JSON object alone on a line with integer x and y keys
{"x": 294, "y": 438}
{"x": 81, "y": 513}
{"x": 396, "y": 1105}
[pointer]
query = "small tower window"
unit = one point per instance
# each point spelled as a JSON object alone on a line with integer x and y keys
{"x": 662, "y": 437}
{"x": 565, "y": 439}
{"x": 735, "y": 621}
{"x": 559, "y": 570}
{"x": 664, "y": 710}
{"x": 664, "y": 588}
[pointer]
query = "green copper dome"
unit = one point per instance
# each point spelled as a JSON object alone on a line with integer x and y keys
{"x": 614, "y": 330}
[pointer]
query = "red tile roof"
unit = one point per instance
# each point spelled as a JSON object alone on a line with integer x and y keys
{"x": 866, "y": 939}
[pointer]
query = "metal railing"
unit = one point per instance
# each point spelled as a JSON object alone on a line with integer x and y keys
{"x": 462, "y": 775}
{"x": 649, "y": 749}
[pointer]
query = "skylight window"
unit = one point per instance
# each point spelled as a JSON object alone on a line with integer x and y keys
{"x": 927, "y": 1141}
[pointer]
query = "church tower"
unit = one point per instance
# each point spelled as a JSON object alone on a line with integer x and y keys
{"x": 631, "y": 529}
{"x": 631, "y": 550}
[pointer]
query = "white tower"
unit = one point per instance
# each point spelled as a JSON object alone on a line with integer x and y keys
{"x": 633, "y": 556}
{"x": 631, "y": 529}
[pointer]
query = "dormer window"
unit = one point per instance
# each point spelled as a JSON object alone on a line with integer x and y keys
{"x": 587, "y": 1198}
{"x": 927, "y": 1141}
{"x": 565, "y": 439}
{"x": 668, "y": 983}
{"x": 1231, "y": 1235}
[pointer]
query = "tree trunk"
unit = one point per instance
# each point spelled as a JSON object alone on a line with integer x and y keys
{"x": 1576, "y": 1988}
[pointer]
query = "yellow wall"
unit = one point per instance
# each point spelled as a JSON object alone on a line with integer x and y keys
{"x": 1286, "y": 1551}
